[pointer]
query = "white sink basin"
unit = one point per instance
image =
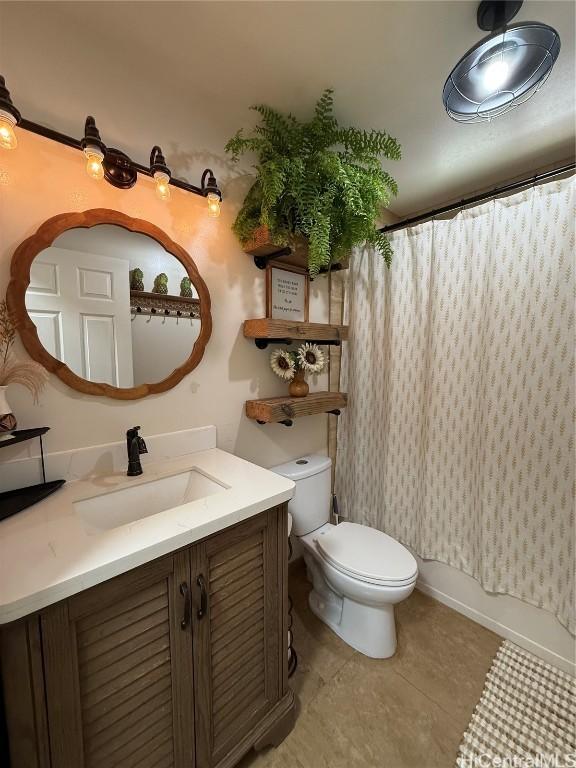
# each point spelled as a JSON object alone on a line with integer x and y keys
{"x": 116, "y": 508}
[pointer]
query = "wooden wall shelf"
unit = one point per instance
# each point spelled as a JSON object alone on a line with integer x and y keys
{"x": 263, "y": 250}
{"x": 268, "y": 331}
{"x": 282, "y": 410}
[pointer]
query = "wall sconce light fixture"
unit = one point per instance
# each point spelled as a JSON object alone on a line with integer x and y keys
{"x": 9, "y": 117}
{"x": 161, "y": 173}
{"x": 212, "y": 193}
{"x": 104, "y": 162}
{"x": 93, "y": 149}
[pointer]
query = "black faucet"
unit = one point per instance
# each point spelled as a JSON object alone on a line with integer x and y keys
{"x": 135, "y": 445}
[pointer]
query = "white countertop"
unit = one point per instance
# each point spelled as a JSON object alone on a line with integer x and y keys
{"x": 47, "y": 553}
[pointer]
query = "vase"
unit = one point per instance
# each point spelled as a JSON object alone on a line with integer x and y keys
{"x": 7, "y": 418}
{"x": 298, "y": 386}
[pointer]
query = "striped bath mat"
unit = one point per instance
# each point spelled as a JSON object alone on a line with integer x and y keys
{"x": 525, "y": 718}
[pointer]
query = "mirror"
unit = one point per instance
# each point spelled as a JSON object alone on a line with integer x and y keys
{"x": 110, "y": 304}
{"x": 91, "y": 297}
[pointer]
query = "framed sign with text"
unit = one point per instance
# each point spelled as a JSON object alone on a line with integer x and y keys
{"x": 287, "y": 293}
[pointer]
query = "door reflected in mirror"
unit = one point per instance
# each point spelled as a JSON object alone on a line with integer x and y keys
{"x": 113, "y": 305}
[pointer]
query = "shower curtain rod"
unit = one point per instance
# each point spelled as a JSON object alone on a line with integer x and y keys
{"x": 479, "y": 198}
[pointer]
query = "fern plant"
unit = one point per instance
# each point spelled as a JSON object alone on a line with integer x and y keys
{"x": 317, "y": 180}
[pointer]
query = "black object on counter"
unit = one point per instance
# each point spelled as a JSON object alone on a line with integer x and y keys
{"x": 22, "y": 498}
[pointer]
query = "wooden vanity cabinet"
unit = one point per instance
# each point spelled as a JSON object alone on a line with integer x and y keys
{"x": 179, "y": 663}
{"x": 118, "y": 671}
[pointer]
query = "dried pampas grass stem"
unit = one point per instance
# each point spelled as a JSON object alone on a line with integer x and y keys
{"x": 12, "y": 371}
{"x": 25, "y": 372}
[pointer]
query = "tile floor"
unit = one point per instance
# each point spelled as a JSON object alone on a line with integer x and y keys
{"x": 409, "y": 711}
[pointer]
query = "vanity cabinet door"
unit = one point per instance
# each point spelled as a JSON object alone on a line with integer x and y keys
{"x": 238, "y": 605}
{"x": 118, "y": 666}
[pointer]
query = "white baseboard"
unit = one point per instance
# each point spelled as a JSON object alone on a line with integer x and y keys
{"x": 504, "y": 630}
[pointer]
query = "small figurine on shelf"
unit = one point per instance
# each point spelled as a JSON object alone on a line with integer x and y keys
{"x": 30, "y": 375}
{"x": 292, "y": 365}
{"x": 161, "y": 283}
{"x": 136, "y": 279}
{"x": 186, "y": 288}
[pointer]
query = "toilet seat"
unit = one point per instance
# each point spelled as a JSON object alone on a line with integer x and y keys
{"x": 367, "y": 554}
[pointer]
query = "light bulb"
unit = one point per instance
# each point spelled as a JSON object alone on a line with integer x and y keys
{"x": 8, "y": 138}
{"x": 496, "y": 74}
{"x": 94, "y": 167}
{"x": 162, "y": 185}
{"x": 213, "y": 205}
{"x": 94, "y": 157}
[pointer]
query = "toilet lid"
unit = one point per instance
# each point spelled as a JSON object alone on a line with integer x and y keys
{"x": 367, "y": 553}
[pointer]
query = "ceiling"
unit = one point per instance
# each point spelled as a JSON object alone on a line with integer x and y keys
{"x": 183, "y": 74}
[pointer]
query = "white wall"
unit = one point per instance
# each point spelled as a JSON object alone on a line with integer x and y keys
{"x": 41, "y": 179}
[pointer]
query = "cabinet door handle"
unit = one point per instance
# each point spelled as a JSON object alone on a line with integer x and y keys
{"x": 203, "y": 597}
{"x": 185, "y": 592}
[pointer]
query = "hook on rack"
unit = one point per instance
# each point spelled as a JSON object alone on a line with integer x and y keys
{"x": 137, "y": 310}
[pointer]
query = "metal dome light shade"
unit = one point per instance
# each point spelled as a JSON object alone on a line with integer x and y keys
{"x": 503, "y": 70}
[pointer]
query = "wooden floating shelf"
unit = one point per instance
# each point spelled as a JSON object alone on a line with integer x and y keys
{"x": 283, "y": 410}
{"x": 268, "y": 331}
{"x": 263, "y": 250}
{"x": 263, "y": 254}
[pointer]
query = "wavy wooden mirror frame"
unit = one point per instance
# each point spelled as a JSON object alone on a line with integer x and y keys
{"x": 20, "y": 280}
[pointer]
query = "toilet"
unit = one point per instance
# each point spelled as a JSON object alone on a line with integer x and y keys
{"x": 358, "y": 573}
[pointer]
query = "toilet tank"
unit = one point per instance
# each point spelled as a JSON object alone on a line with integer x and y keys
{"x": 310, "y": 505}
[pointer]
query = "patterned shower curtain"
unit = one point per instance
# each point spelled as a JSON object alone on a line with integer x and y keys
{"x": 458, "y": 439}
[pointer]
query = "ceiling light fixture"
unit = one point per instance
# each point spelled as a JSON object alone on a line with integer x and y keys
{"x": 161, "y": 173}
{"x": 211, "y": 193}
{"x": 504, "y": 69}
{"x": 9, "y": 117}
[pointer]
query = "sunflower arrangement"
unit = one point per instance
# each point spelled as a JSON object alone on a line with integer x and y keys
{"x": 308, "y": 358}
